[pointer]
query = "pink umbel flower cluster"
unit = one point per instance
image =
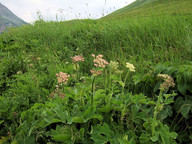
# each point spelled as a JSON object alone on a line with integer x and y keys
{"x": 99, "y": 61}
{"x": 96, "y": 72}
{"x": 77, "y": 58}
{"x": 62, "y": 77}
{"x": 168, "y": 81}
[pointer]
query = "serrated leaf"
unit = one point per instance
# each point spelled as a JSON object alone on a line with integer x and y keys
{"x": 99, "y": 94}
{"x": 62, "y": 134}
{"x": 90, "y": 114}
{"x": 102, "y": 134}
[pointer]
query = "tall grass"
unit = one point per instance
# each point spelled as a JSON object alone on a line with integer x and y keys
{"x": 151, "y": 39}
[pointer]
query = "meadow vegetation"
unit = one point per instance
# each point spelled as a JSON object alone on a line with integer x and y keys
{"x": 117, "y": 81}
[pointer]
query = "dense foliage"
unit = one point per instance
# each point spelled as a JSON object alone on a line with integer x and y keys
{"x": 94, "y": 81}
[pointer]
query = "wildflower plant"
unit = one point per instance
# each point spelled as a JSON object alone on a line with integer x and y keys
{"x": 100, "y": 65}
{"x": 114, "y": 67}
{"x": 131, "y": 68}
{"x": 112, "y": 76}
{"x": 168, "y": 82}
{"x": 62, "y": 79}
{"x": 76, "y": 59}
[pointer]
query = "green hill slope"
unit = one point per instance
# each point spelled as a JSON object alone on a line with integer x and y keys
{"x": 153, "y": 7}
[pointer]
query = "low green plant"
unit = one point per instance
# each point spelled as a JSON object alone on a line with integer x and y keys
{"x": 90, "y": 114}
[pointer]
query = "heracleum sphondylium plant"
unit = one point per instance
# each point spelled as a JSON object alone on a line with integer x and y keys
{"x": 113, "y": 74}
{"x": 62, "y": 79}
{"x": 168, "y": 82}
{"x": 131, "y": 68}
{"x": 100, "y": 65}
{"x": 76, "y": 60}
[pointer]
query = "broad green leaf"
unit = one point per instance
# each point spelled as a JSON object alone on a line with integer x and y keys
{"x": 60, "y": 112}
{"x": 90, "y": 114}
{"x": 105, "y": 109}
{"x": 77, "y": 119}
{"x": 155, "y": 137}
{"x": 61, "y": 137}
{"x": 48, "y": 121}
{"x": 61, "y": 134}
{"x": 183, "y": 87}
{"x": 99, "y": 94}
{"x": 102, "y": 134}
{"x": 167, "y": 111}
{"x": 33, "y": 126}
{"x": 164, "y": 133}
{"x": 178, "y": 103}
{"x": 169, "y": 98}
{"x": 135, "y": 108}
{"x": 190, "y": 137}
{"x": 82, "y": 133}
{"x": 121, "y": 83}
{"x": 185, "y": 110}
{"x": 173, "y": 135}
{"x": 144, "y": 138}
{"x": 125, "y": 140}
{"x": 144, "y": 115}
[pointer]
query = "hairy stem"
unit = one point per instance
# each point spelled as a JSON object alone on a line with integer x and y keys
{"x": 156, "y": 112}
{"x": 92, "y": 90}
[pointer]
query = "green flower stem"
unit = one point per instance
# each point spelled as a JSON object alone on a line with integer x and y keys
{"x": 110, "y": 96}
{"x": 156, "y": 112}
{"x": 77, "y": 75}
{"x": 106, "y": 84}
{"x": 77, "y": 72}
{"x": 110, "y": 84}
{"x": 82, "y": 101}
{"x": 93, "y": 83}
{"x": 123, "y": 88}
{"x": 63, "y": 89}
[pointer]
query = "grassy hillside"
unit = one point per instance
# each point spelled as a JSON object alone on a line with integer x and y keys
{"x": 153, "y": 7}
{"x": 148, "y": 102}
